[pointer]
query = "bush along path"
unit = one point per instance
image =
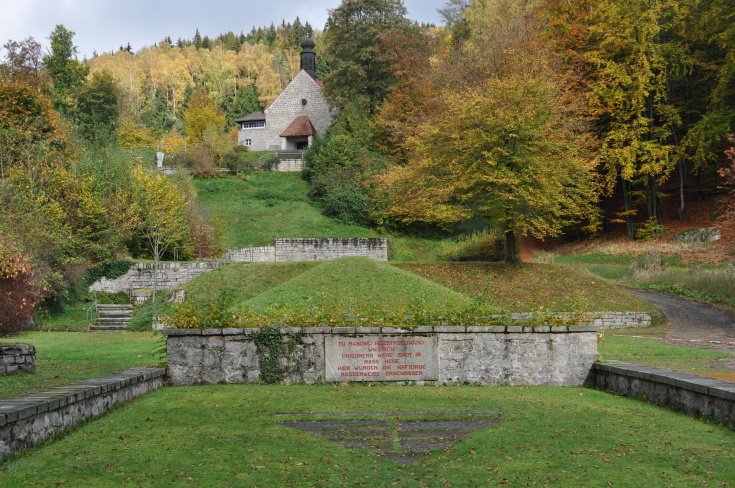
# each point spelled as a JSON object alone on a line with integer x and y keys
{"x": 694, "y": 323}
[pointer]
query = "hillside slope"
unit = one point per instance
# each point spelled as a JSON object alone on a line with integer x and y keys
{"x": 255, "y": 210}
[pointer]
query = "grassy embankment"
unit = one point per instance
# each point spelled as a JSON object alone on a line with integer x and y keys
{"x": 258, "y": 207}
{"x": 360, "y": 285}
{"x": 671, "y": 268}
{"x": 230, "y": 436}
{"x": 65, "y": 357}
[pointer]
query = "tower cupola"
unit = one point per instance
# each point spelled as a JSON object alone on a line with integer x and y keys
{"x": 308, "y": 57}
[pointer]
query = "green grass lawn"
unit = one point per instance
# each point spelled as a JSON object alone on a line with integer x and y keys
{"x": 264, "y": 205}
{"x": 654, "y": 352}
{"x": 532, "y": 287}
{"x": 229, "y": 436}
{"x": 70, "y": 317}
{"x": 362, "y": 286}
{"x": 258, "y": 207}
{"x": 65, "y": 357}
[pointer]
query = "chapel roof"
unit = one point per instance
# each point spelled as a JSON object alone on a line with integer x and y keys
{"x": 252, "y": 117}
{"x": 300, "y": 127}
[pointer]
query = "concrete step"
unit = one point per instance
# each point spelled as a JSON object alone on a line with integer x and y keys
{"x": 106, "y": 328}
{"x": 122, "y": 323}
{"x": 115, "y": 314}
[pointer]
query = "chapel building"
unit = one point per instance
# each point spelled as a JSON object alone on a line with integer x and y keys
{"x": 298, "y": 114}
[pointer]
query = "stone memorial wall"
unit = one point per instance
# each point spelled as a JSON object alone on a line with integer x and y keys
{"x": 499, "y": 355}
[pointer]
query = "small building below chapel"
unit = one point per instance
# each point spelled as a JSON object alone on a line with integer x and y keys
{"x": 298, "y": 114}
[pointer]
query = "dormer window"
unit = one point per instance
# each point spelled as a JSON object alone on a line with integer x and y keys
{"x": 256, "y": 124}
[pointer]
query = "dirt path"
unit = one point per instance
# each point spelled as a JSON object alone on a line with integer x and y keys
{"x": 694, "y": 323}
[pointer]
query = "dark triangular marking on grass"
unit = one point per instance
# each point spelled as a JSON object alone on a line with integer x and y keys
{"x": 402, "y": 442}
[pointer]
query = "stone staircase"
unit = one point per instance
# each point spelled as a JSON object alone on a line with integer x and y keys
{"x": 113, "y": 317}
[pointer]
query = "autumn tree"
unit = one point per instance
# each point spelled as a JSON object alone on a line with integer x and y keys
{"x": 200, "y": 113}
{"x": 164, "y": 221}
{"x": 507, "y": 152}
{"x": 727, "y": 211}
{"x": 352, "y": 47}
{"x": 412, "y": 100}
{"x": 18, "y": 287}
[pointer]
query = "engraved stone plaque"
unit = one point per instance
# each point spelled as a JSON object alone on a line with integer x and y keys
{"x": 381, "y": 358}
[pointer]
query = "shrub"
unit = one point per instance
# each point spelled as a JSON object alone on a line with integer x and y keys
{"x": 110, "y": 270}
{"x": 478, "y": 246}
{"x": 119, "y": 298}
{"x": 348, "y": 204}
{"x": 648, "y": 229}
{"x": 19, "y": 291}
{"x": 204, "y": 161}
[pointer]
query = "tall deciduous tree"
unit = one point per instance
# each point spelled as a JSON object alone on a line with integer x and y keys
{"x": 507, "y": 152}
{"x": 201, "y": 113}
{"x": 97, "y": 108}
{"x": 67, "y": 74}
{"x": 163, "y": 223}
{"x": 352, "y": 47}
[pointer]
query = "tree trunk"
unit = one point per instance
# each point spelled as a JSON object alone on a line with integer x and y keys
{"x": 682, "y": 182}
{"x": 511, "y": 247}
{"x": 627, "y": 203}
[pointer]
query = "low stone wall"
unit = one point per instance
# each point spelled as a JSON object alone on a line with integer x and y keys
{"x": 499, "y": 355}
{"x": 141, "y": 276}
{"x": 289, "y": 166}
{"x": 687, "y": 393}
{"x": 172, "y": 275}
{"x": 263, "y": 254}
{"x": 325, "y": 249}
{"x": 26, "y": 421}
{"x": 17, "y": 358}
{"x": 601, "y": 320}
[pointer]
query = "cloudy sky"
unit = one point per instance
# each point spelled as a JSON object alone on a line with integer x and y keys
{"x": 104, "y": 25}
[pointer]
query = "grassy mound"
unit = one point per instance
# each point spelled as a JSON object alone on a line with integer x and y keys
{"x": 532, "y": 287}
{"x": 241, "y": 282}
{"x": 358, "y": 286}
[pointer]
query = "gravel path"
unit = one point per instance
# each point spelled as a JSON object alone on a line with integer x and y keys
{"x": 694, "y": 323}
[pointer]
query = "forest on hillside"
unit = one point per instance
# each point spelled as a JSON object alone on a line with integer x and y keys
{"x": 520, "y": 116}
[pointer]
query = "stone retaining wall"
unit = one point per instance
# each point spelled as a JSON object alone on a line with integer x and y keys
{"x": 263, "y": 254}
{"x": 601, "y": 320}
{"x": 688, "y": 393}
{"x": 499, "y": 355}
{"x": 172, "y": 275}
{"x": 319, "y": 249}
{"x": 26, "y": 421}
{"x": 17, "y": 358}
{"x": 141, "y": 277}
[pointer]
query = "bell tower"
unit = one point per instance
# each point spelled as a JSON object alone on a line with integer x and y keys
{"x": 308, "y": 57}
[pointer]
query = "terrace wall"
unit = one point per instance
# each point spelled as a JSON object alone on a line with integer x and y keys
{"x": 17, "y": 358}
{"x": 683, "y": 392}
{"x": 500, "y": 355}
{"x": 27, "y": 421}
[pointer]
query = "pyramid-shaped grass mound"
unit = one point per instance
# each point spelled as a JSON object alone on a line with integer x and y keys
{"x": 240, "y": 282}
{"x": 359, "y": 287}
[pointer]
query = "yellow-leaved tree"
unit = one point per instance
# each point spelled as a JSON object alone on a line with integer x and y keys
{"x": 163, "y": 218}
{"x": 506, "y": 152}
